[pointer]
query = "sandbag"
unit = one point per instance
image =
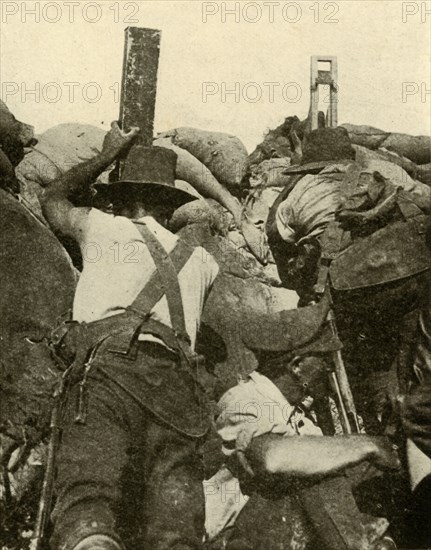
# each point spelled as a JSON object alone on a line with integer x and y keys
{"x": 415, "y": 148}
{"x": 58, "y": 150}
{"x": 394, "y": 172}
{"x": 270, "y": 173}
{"x": 241, "y": 285}
{"x": 367, "y": 136}
{"x": 191, "y": 170}
{"x": 223, "y": 154}
{"x": 201, "y": 211}
{"x": 184, "y": 186}
{"x": 363, "y": 155}
{"x": 258, "y": 204}
{"x": 38, "y": 283}
{"x": 240, "y": 282}
{"x": 424, "y": 173}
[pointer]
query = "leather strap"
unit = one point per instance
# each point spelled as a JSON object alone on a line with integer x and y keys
{"x": 165, "y": 280}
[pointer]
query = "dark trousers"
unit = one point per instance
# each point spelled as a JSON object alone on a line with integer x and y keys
{"x": 125, "y": 473}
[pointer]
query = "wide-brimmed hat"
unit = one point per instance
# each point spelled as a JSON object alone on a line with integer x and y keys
{"x": 327, "y": 144}
{"x": 146, "y": 170}
{"x": 321, "y": 148}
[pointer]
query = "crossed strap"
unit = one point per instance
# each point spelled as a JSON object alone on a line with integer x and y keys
{"x": 164, "y": 282}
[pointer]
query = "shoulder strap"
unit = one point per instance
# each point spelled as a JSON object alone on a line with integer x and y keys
{"x": 165, "y": 280}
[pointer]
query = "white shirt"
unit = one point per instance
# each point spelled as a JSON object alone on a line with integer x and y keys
{"x": 312, "y": 203}
{"x": 117, "y": 264}
{"x": 250, "y": 409}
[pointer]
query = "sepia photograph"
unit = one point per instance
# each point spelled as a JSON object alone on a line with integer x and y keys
{"x": 215, "y": 266}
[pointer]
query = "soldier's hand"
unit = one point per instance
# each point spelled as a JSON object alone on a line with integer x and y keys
{"x": 385, "y": 455}
{"x": 116, "y": 140}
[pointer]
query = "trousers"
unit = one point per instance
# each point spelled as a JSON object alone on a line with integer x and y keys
{"x": 125, "y": 473}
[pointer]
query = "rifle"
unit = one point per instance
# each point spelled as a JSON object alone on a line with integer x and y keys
{"x": 45, "y": 501}
{"x": 338, "y": 378}
{"x": 341, "y": 386}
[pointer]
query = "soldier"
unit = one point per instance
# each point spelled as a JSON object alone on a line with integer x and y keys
{"x": 273, "y": 447}
{"x": 129, "y": 464}
{"x": 337, "y": 203}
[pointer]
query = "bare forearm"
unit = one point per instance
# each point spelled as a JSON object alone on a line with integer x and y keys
{"x": 60, "y": 212}
{"x": 78, "y": 178}
{"x": 304, "y": 456}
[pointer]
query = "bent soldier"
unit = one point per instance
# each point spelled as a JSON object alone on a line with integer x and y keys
{"x": 129, "y": 467}
{"x": 273, "y": 446}
{"x": 357, "y": 227}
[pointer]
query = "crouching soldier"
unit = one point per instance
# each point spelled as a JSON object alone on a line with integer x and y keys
{"x": 128, "y": 467}
{"x": 274, "y": 447}
{"x": 343, "y": 224}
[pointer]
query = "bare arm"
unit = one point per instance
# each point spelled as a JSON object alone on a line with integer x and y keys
{"x": 61, "y": 214}
{"x": 302, "y": 456}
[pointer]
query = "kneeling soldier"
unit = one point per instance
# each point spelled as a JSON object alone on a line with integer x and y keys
{"x": 134, "y": 418}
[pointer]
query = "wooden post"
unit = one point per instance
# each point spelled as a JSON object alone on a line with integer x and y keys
{"x": 139, "y": 82}
{"x": 328, "y": 76}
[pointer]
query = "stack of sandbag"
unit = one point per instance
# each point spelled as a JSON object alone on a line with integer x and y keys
{"x": 416, "y": 149}
{"x": 223, "y": 155}
{"x": 393, "y": 168}
{"x": 194, "y": 172}
{"x": 242, "y": 262}
{"x": 58, "y": 150}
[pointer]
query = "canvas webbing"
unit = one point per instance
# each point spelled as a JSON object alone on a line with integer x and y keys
{"x": 165, "y": 280}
